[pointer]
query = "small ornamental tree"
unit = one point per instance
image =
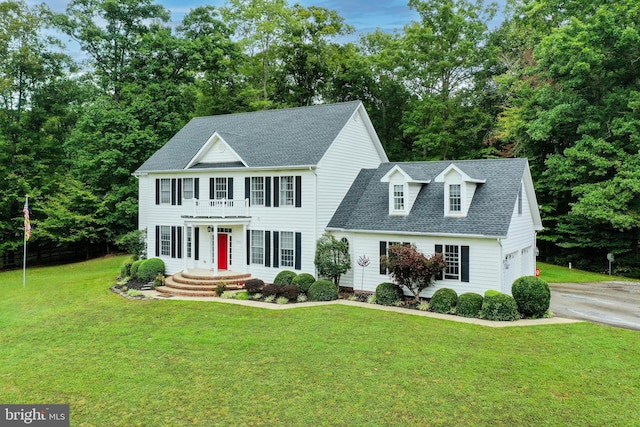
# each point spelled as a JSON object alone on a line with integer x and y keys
{"x": 332, "y": 257}
{"x": 410, "y": 268}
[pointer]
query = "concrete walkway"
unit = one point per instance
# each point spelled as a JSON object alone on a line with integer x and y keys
{"x": 272, "y": 306}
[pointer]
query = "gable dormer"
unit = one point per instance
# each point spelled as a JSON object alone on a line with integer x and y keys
{"x": 215, "y": 150}
{"x": 459, "y": 188}
{"x": 403, "y": 190}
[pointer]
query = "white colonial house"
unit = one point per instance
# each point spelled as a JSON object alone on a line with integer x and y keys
{"x": 249, "y": 194}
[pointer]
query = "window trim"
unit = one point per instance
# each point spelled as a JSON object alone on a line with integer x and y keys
{"x": 165, "y": 240}
{"x": 287, "y": 254}
{"x": 257, "y": 195}
{"x": 165, "y": 191}
{"x": 257, "y": 236}
{"x": 188, "y": 194}
{"x": 455, "y": 199}
{"x": 287, "y": 192}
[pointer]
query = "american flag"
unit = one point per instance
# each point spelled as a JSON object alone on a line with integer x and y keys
{"x": 27, "y": 221}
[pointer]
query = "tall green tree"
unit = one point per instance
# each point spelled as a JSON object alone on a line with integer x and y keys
{"x": 439, "y": 56}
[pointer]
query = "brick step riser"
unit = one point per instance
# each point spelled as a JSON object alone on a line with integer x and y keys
{"x": 200, "y": 287}
{"x": 203, "y": 282}
{"x": 170, "y": 291}
{"x": 242, "y": 277}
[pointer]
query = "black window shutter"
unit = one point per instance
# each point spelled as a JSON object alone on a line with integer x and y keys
{"x": 196, "y": 243}
{"x": 298, "y": 191}
{"x": 465, "y": 264}
{"x": 276, "y": 191}
{"x": 196, "y": 188}
{"x": 267, "y": 191}
{"x": 173, "y": 242}
{"x": 247, "y": 188}
{"x": 383, "y": 251}
{"x": 439, "y": 251}
{"x": 229, "y": 188}
{"x": 157, "y": 191}
{"x": 173, "y": 191}
{"x": 157, "y": 240}
{"x": 276, "y": 249}
{"x": 212, "y": 188}
{"x": 267, "y": 247}
{"x": 179, "y": 241}
{"x": 248, "y": 247}
{"x": 179, "y": 191}
{"x": 298, "y": 259}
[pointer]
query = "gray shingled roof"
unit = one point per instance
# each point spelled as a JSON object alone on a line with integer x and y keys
{"x": 288, "y": 137}
{"x": 366, "y": 205}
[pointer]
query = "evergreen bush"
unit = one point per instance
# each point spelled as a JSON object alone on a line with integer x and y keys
{"x": 443, "y": 300}
{"x": 323, "y": 290}
{"x": 284, "y": 278}
{"x": 499, "y": 306}
{"x": 532, "y": 295}
{"x": 303, "y": 281}
{"x": 134, "y": 268}
{"x": 125, "y": 268}
{"x": 150, "y": 268}
{"x": 388, "y": 293}
{"x": 469, "y": 304}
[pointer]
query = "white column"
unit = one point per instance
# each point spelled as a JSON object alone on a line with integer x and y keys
{"x": 214, "y": 256}
{"x": 244, "y": 248}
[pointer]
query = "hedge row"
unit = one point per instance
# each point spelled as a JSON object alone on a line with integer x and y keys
{"x": 144, "y": 270}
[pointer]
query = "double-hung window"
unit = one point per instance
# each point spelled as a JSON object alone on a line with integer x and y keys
{"x": 287, "y": 249}
{"x": 187, "y": 188}
{"x": 165, "y": 190}
{"x": 452, "y": 256}
{"x": 257, "y": 247}
{"x": 398, "y": 197}
{"x": 165, "y": 240}
{"x": 221, "y": 189}
{"x": 455, "y": 198}
{"x": 257, "y": 191}
{"x": 287, "y": 193}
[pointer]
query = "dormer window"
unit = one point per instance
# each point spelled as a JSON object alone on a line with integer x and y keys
{"x": 398, "y": 197}
{"x": 455, "y": 198}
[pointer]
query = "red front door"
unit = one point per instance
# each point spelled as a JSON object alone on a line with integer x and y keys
{"x": 223, "y": 251}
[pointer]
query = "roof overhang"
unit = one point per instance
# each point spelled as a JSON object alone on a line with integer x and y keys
{"x": 417, "y": 233}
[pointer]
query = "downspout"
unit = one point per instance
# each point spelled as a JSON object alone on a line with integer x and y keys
{"x": 500, "y": 264}
{"x": 315, "y": 213}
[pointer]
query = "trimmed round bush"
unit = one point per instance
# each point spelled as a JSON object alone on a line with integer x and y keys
{"x": 498, "y": 306}
{"x": 254, "y": 286}
{"x": 284, "y": 278}
{"x": 532, "y": 296}
{"x": 125, "y": 268}
{"x": 388, "y": 293}
{"x": 469, "y": 304}
{"x": 323, "y": 290}
{"x": 443, "y": 300}
{"x": 303, "y": 281}
{"x": 134, "y": 268}
{"x": 271, "y": 289}
{"x": 290, "y": 292}
{"x": 150, "y": 268}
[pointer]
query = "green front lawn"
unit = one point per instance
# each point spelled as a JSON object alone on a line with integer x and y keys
{"x": 117, "y": 362}
{"x": 557, "y": 274}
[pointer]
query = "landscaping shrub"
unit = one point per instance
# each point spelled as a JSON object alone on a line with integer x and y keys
{"x": 271, "y": 290}
{"x": 290, "y": 292}
{"x": 532, "y": 296}
{"x": 323, "y": 290}
{"x": 303, "y": 281}
{"x": 221, "y": 289}
{"x": 134, "y": 268}
{"x": 388, "y": 293}
{"x": 284, "y": 278}
{"x": 150, "y": 268}
{"x": 469, "y": 304}
{"x": 125, "y": 268}
{"x": 443, "y": 300}
{"x": 254, "y": 286}
{"x": 498, "y": 306}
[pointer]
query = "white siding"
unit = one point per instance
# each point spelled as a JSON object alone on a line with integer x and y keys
{"x": 484, "y": 256}
{"x": 219, "y": 152}
{"x": 352, "y": 151}
{"x": 519, "y": 246}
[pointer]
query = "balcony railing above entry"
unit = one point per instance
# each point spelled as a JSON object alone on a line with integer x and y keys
{"x": 221, "y": 208}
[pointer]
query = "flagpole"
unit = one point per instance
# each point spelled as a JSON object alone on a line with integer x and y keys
{"x": 26, "y": 230}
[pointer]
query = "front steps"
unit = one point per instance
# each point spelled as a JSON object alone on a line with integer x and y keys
{"x": 201, "y": 283}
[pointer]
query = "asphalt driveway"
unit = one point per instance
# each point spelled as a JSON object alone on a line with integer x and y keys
{"x": 609, "y": 303}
